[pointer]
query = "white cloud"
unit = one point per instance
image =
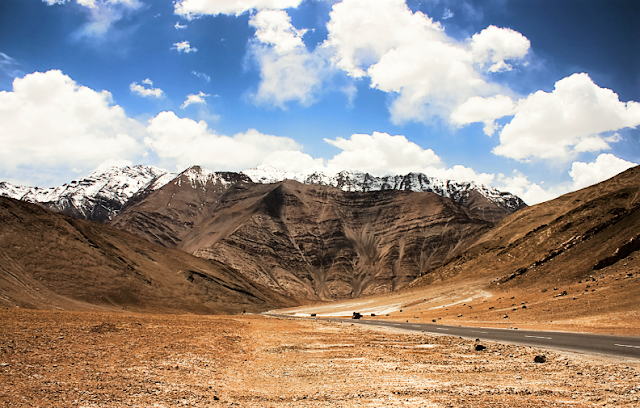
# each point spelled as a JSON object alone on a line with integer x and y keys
{"x": 409, "y": 55}
{"x": 486, "y": 110}
{"x": 198, "y": 98}
{"x": 294, "y": 161}
{"x": 178, "y": 26}
{"x": 494, "y": 45}
{"x": 184, "y": 142}
{"x": 183, "y": 46}
{"x": 531, "y": 193}
{"x": 107, "y": 164}
{"x": 447, "y": 14}
{"x": 48, "y": 121}
{"x": 103, "y": 15}
{"x": 378, "y": 154}
{"x": 288, "y": 71}
{"x": 196, "y": 8}
{"x": 87, "y": 3}
{"x": 52, "y": 2}
{"x": 144, "y": 91}
{"x": 202, "y": 75}
{"x": 605, "y": 166}
{"x": 571, "y": 119}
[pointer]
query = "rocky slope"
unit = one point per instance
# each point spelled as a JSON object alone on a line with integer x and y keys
{"x": 574, "y": 259}
{"x": 99, "y": 196}
{"x": 52, "y": 261}
{"x": 580, "y": 234}
{"x": 309, "y": 240}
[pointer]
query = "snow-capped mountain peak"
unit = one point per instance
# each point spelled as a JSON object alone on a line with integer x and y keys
{"x": 99, "y": 196}
{"x": 358, "y": 181}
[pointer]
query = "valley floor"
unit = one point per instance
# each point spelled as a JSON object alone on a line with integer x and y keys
{"x": 87, "y": 359}
{"x": 609, "y": 306}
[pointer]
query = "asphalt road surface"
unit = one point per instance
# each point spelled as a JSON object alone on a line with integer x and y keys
{"x": 628, "y": 347}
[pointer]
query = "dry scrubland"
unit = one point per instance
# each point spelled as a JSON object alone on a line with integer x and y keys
{"x": 109, "y": 359}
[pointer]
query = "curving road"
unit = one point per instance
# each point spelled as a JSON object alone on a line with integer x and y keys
{"x": 628, "y": 347}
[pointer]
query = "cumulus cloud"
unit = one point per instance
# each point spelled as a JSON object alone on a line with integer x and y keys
{"x": 288, "y": 70}
{"x": 530, "y": 192}
{"x": 198, "y": 98}
{"x": 583, "y": 174}
{"x": 381, "y": 153}
{"x": 486, "y": 110}
{"x": 184, "y": 47}
{"x": 409, "y": 55}
{"x": 184, "y": 142}
{"x": 378, "y": 154}
{"x": 403, "y": 53}
{"x": 49, "y": 121}
{"x": 177, "y": 26}
{"x": 605, "y": 166}
{"x": 494, "y": 45}
{"x": 148, "y": 92}
{"x": 196, "y": 8}
{"x": 574, "y": 118}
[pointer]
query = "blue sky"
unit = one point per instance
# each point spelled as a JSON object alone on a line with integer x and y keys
{"x": 537, "y": 98}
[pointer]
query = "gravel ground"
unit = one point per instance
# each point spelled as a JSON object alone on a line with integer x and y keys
{"x": 68, "y": 359}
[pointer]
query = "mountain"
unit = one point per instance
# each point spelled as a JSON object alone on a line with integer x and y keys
{"x": 103, "y": 194}
{"x": 49, "y": 260}
{"x": 575, "y": 256}
{"x": 99, "y": 196}
{"x": 310, "y": 241}
{"x": 464, "y": 193}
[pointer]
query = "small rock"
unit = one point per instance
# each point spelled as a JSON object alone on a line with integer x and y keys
{"x": 540, "y": 359}
{"x": 480, "y": 347}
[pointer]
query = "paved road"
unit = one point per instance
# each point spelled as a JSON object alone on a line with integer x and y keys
{"x": 628, "y": 347}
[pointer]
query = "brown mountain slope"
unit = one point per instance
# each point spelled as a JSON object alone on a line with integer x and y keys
{"x": 308, "y": 241}
{"x": 572, "y": 259}
{"x": 563, "y": 239}
{"x": 572, "y": 263}
{"x": 48, "y": 260}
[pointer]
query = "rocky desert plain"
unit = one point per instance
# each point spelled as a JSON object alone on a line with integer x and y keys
{"x": 93, "y": 316}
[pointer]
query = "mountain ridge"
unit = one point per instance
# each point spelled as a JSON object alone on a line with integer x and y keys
{"x": 99, "y": 196}
{"x": 103, "y": 194}
{"x": 302, "y": 239}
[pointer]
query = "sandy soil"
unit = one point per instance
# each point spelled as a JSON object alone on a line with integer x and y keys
{"x": 84, "y": 359}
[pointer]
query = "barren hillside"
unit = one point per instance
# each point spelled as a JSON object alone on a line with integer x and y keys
{"x": 48, "y": 260}
{"x": 570, "y": 264}
{"x": 309, "y": 241}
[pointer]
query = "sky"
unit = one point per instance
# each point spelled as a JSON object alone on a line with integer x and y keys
{"x": 538, "y": 98}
